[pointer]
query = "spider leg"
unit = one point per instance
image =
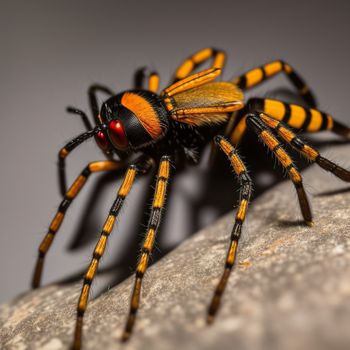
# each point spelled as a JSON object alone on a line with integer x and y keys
{"x": 266, "y": 136}
{"x": 148, "y": 244}
{"x": 152, "y": 79}
{"x": 258, "y": 75}
{"x": 245, "y": 193}
{"x": 153, "y": 82}
{"x": 298, "y": 117}
{"x": 67, "y": 200}
{"x": 141, "y": 166}
{"x": 92, "y": 92}
{"x": 64, "y": 152}
{"x": 190, "y": 64}
{"x": 196, "y": 60}
{"x": 83, "y": 115}
{"x": 310, "y": 152}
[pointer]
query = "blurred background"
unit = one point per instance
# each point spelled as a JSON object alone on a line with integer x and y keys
{"x": 51, "y": 51}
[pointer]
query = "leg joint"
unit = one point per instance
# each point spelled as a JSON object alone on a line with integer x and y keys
{"x": 64, "y": 204}
{"x": 154, "y": 220}
{"x": 237, "y": 230}
{"x": 297, "y": 143}
{"x": 86, "y": 172}
{"x": 254, "y": 122}
{"x": 87, "y": 280}
{"x": 80, "y": 312}
{"x": 96, "y": 255}
{"x": 139, "y": 274}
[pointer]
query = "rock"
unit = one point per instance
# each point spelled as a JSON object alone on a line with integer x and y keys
{"x": 289, "y": 290}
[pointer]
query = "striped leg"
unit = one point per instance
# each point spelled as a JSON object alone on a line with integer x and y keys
{"x": 148, "y": 244}
{"x": 63, "y": 153}
{"x": 196, "y": 60}
{"x": 264, "y": 133}
{"x": 200, "y": 57}
{"x": 101, "y": 246}
{"x": 152, "y": 78}
{"x": 245, "y": 193}
{"x": 258, "y": 75}
{"x": 308, "y": 151}
{"x": 67, "y": 200}
{"x": 298, "y": 117}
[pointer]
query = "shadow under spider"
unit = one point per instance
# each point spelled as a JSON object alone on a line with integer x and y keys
{"x": 333, "y": 193}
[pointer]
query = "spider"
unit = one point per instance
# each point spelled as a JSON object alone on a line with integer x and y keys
{"x": 143, "y": 129}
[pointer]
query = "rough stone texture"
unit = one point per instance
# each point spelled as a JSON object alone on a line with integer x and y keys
{"x": 290, "y": 290}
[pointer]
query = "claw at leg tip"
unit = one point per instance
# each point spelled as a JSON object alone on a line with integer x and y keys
{"x": 210, "y": 319}
{"x": 125, "y": 337}
{"x": 309, "y": 223}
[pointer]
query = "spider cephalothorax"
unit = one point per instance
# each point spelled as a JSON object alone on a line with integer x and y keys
{"x": 175, "y": 126}
{"x": 132, "y": 120}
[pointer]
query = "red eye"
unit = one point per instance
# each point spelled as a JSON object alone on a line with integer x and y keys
{"x": 101, "y": 141}
{"x": 117, "y": 135}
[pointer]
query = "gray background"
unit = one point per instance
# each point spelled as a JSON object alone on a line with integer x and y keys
{"x": 51, "y": 51}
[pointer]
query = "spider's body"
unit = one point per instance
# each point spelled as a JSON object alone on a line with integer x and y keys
{"x": 140, "y": 120}
{"x": 132, "y": 121}
{"x": 176, "y": 125}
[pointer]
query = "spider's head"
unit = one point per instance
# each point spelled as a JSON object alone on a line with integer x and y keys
{"x": 132, "y": 120}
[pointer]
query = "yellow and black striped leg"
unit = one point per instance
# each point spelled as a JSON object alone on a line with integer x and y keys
{"x": 264, "y": 133}
{"x": 245, "y": 193}
{"x": 153, "y": 82}
{"x": 200, "y": 57}
{"x": 309, "y": 152}
{"x": 124, "y": 190}
{"x": 148, "y": 244}
{"x": 295, "y": 116}
{"x": 63, "y": 153}
{"x": 143, "y": 75}
{"x": 258, "y": 75}
{"x": 67, "y": 200}
{"x": 298, "y": 117}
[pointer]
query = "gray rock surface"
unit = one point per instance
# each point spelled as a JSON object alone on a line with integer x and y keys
{"x": 290, "y": 289}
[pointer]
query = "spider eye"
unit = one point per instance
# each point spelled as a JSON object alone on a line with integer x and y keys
{"x": 101, "y": 141}
{"x": 117, "y": 135}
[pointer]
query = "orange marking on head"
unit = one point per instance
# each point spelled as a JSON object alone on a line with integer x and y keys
{"x": 144, "y": 111}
